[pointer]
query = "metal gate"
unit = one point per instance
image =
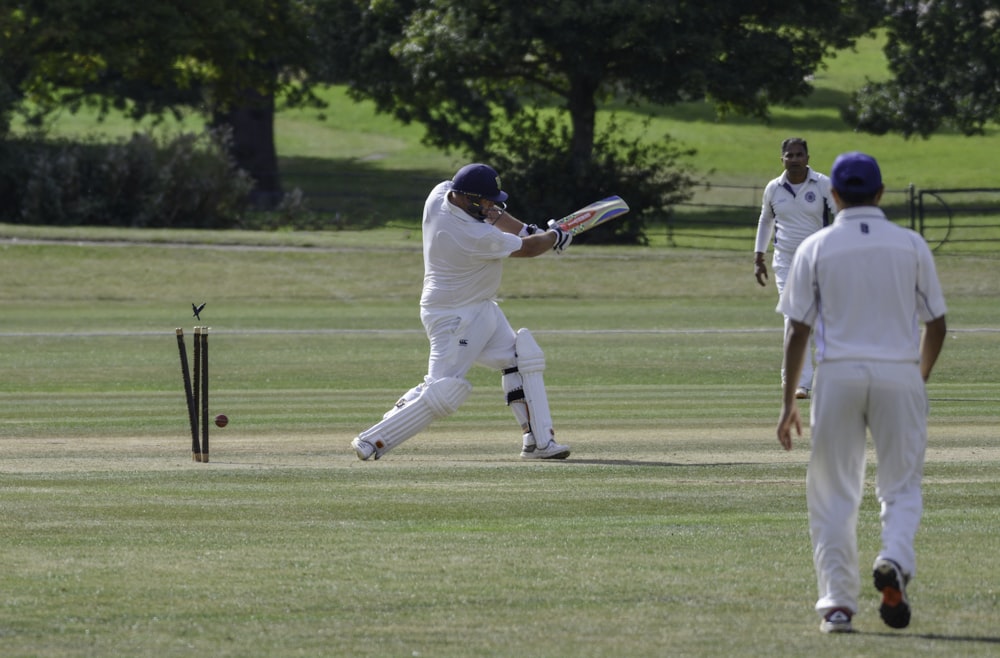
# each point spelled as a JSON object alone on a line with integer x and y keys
{"x": 956, "y": 215}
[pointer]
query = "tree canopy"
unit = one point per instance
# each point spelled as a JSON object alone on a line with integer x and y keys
{"x": 228, "y": 60}
{"x": 148, "y": 58}
{"x": 468, "y": 70}
{"x": 452, "y": 65}
{"x": 944, "y": 58}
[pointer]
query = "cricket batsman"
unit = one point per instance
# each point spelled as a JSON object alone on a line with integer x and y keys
{"x": 467, "y": 234}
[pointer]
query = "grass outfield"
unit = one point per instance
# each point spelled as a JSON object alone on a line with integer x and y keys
{"x": 677, "y": 527}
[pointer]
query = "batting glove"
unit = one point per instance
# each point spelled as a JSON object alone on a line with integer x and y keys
{"x": 563, "y": 238}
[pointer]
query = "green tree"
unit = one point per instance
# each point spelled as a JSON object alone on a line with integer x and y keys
{"x": 464, "y": 67}
{"x": 453, "y": 64}
{"x": 225, "y": 58}
{"x": 944, "y": 58}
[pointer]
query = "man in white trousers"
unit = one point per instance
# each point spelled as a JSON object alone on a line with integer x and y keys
{"x": 467, "y": 234}
{"x": 866, "y": 285}
{"x": 794, "y": 205}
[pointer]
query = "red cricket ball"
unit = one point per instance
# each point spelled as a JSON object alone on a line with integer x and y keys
{"x": 221, "y": 420}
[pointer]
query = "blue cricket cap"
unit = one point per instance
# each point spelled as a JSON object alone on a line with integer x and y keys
{"x": 479, "y": 180}
{"x": 856, "y": 173}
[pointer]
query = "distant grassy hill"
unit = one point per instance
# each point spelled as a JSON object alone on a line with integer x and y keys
{"x": 371, "y": 169}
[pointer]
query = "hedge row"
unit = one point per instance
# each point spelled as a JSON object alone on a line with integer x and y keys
{"x": 182, "y": 181}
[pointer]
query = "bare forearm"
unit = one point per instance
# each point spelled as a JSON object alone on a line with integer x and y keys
{"x": 535, "y": 245}
{"x": 534, "y": 240}
{"x": 931, "y": 345}
{"x": 504, "y": 221}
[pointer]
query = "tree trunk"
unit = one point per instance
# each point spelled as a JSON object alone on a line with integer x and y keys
{"x": 583, "y": 115}
{"x": 252, "y": 125}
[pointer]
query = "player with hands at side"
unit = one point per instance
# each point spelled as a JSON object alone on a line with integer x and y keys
{"x": 467, "y": 234}
{"x": 865, "y": 285}
{"x": 794, "y": 206}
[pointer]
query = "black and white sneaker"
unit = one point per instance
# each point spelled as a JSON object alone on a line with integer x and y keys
{"x": 891, "y": 581}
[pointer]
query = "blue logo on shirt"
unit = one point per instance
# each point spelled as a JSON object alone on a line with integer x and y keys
{"x": 810, "y": 196}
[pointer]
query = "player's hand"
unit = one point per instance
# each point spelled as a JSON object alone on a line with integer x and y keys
{"x": 760, "y": 271}
{"x": 493, "y": 214}
{"x": 789, "y": 419}
{"x": 563, "y": 238}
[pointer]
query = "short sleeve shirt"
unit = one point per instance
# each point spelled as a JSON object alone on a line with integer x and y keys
{"x": 791, "y": 215}
{"x": 866, "y": 285}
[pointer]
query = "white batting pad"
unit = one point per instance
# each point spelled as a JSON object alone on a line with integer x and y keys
{"x": 407, "y": 398}
{"x": 531, "y": 364}
{"x": 435, "y": 400}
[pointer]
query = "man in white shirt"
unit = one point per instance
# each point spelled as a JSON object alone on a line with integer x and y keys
{"x": 866, "y": 285}
{"x": 794, "y": 206}
{"x": 467, "y": 234}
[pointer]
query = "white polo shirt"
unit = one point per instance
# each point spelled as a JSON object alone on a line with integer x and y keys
{"x": 791, "y": 215}
{"x": 832, "y": 287}
{"x": 463, "y": 257}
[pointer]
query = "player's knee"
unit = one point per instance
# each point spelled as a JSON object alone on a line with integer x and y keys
{"x": 530, "y": 357}
{"x": 444, "y": 396}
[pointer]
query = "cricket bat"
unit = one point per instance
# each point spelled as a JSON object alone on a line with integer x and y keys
{"x": 593, "y": 215}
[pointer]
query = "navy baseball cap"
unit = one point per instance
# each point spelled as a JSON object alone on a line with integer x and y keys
{"x": 856, "y": 173}
{"x": 479, "y": 180}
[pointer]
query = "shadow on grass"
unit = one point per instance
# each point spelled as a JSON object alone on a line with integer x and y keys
{"x": 359, "y": 194}
{"x": 818, "y": 112}
{"x": 636, "y": 462}
{"x": 934, "y": 637}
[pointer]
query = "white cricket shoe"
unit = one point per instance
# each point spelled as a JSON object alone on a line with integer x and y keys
{"x": 552, "y": 451}
{"x": 363, "y": 449}
{"x": 837, "y": 620}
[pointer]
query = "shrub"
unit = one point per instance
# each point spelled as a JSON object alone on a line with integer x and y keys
{"x": 532, "y": 155}
{"x": 184, "y": 181}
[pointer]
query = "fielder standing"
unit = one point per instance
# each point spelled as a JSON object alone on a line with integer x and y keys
{"x": 795, "y": 205}
{"x": 467, "y": 234}
{"x": 866, "y": 285}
